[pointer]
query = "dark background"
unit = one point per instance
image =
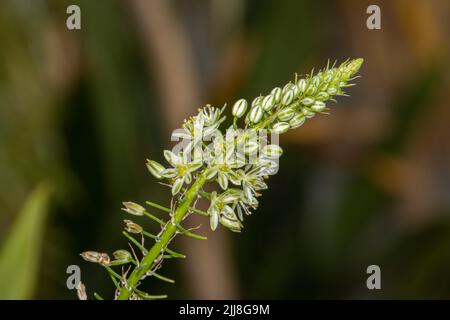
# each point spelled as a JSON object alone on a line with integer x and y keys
{"x": 81, "y": 110}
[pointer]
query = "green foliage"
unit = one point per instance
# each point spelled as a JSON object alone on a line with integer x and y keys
{"x": 19, "y": 255}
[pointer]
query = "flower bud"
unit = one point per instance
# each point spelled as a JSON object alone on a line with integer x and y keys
{"x": 332, "y": 90}
{"x": 257, "y": 101}
{"x": 91, "y": 256}
{"x": 301, "y": 85}
{"x": 295, "y": 90}
{"x": 311, "y": 90}
{"x": 354, "y": 65}
{"x": 132, "y": 227}
{"x": 307, "y": 101}
{"x": 280, "y": 127}
{"x": 318, "y": 106}
{"x": 286, "y": 114}
{"x": 251, "y": 147}
{"x": 308, "y": 113}
{"x": 276, "y": 93}
{"x": 287, "y": 97}
{"x": 155, "y": 168}
{"x": 239, "y": 108}
{"x": 297, "y": 121}
{"x": 286, "y": 88}
{"x": 96, "y": 257}
{"x": 255, "y": 114}
{"x": 133, "y": 208}
{"x": 122, "y": 255}
{"x": 322, "y": 96}
{"x": 268, "y": 102}
{"x": 81, "y": 291}
{"x": 272, "y": 151}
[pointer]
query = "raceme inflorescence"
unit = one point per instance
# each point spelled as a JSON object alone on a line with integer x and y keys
{"x": 234, "y": 163}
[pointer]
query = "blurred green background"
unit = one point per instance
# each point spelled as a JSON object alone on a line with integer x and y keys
{"x": 81, "y": 110}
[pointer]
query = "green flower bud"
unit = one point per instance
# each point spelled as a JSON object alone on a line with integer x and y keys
{"x": 332, "y": 90}
{"x": 311, "y": 90}
{"x": 301, "y": 85}
{"x": 251, "y": 147}
{"x": 308, "y": 113}
{"x": 286, "y": 88}
{"x": 318, "y": 106}
{"x": 307, "y": 101}
{"x": 286, "y": 114}
{"x": 155, "y": 168}
{"x": 276, "y": 93}
{"x": 272, "y": 151}
{"x": 322, "y": 96}
{"x": 295, "y": 90}
{"x": 255, "y": 114}
{"x": 257, "y": 101}
{"x": 354, "y": 66}
{"x": 287, "y": 97}
{"x": 122, "y": 255}
{"x": 280, "y": 127}
{"x": 268, "y": 102}
{"x": 239, "y": 108}
{"x": 297, "y": 121}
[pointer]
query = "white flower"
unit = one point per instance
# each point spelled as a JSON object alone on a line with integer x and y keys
{"x": 182, "y": 170}
{"x": 220, "y": 211}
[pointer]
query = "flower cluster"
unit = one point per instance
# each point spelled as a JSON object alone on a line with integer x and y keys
{"x": 235, "y": 162}
{"x": 227, "y": 159}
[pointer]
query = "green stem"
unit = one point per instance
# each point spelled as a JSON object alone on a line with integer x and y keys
{"x": 170, "y": 229}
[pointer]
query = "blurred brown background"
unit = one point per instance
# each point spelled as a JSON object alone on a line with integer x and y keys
{"x": 81, "y": 110}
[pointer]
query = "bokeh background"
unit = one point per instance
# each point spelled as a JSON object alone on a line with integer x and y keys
{"x": 80, "y": 111}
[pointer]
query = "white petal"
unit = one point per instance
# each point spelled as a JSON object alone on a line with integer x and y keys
{"x": 223, "y": 180}
{"x": 177, "y": 185}
{"x": 173, "y": 159}
{"x": 214, "y": 219}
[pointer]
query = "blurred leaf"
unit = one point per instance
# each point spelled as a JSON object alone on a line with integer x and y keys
{"x": 19, "y": 255}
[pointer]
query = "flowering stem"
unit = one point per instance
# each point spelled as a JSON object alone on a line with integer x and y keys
{"x": 169, "y": 230}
